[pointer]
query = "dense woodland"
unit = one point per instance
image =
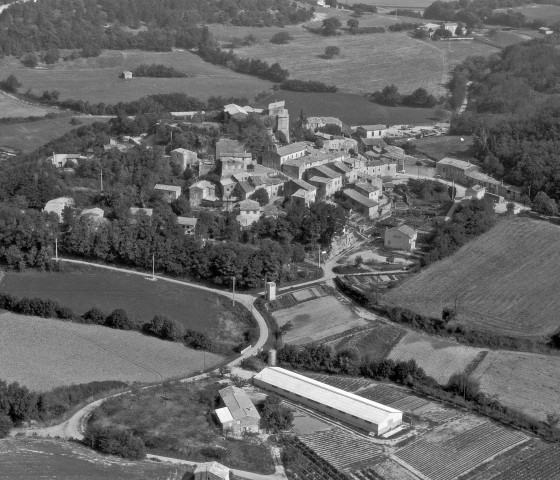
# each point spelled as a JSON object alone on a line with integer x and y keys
{"x": 514, "y": 113}
{"x": 115, "y": 24}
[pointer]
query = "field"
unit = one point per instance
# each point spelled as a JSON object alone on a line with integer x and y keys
{"x": 12, "y": 107}
{"x": 524, "y": 381}
{"x": 456, "y": 448}
{"x": 547, "y": 13}
{"x": 375, "y": 342}
{"x": 31, "y": 135}
{"x": 439, "y": 358}
{"x": 42, "y": 354}
{"x": 97, "y": 79}
{"x": 504, "y": 281}
{"x": 178, "y": 422}
{"x": 34, "y": 459}
{"x": 544, "y": 465}
{"x": 446, "y": 146}
{"x": 351, "y": 109}
{"x": 317, "y": 319}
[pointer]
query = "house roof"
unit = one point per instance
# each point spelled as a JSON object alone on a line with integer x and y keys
{"x": 94, "y": 212}
{"x": 234, "y": 109}
{"x": 187, "y": 221}
{"x": 217, "y": 469}
{"x": 318, "y": 179}
{"x": 324, "y": 394}
{"x": 476, "y": 188}
{"x": 366, "y": 176}
{"x": 246, "y": 186}
{"x": 372, "y": 128}
{"x": 359, "y": 198}
{"x": 226, "y": 181}
{"x": 373, "y": 142}
{"x": 338, "y": 165}
{"x": 325, "y": 170}
{"x": 482, "y": 177}
{"x": 408, "y": 231}
{"x": 238, "y": 403}
{"x": 291, "y": 148}
{"x": 147, "y": 211}
{"x": 181, "y": 150}
{"x": 303, "y": 185}
{"x": 249, "y": 205}
{"x": 317, "y": 156}
{"x": 167, "y": 188}
{"x": 455, "y": 162}
{"x": 301, "y": 193}
{"x": 367, "y": 187}
{"x": 202, "y": 184}
{"x": 224, "y": 415}
{"x": 325, "y": 120}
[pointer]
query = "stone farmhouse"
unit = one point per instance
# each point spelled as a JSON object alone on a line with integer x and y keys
{"x": 361, "y": 203}
{"x": 188, "y": 224}
{"x": 280, "y": 155}
{"x": 401, "y": 238}
{"x": 170, "y": 192}
{"x": 299, "y": 192}
{"x": 239, "y": 415}
{"x": 183, "y": 158}
{"x": 249, "y": 213}
{"x": 372, "y": 131}
{"x": 200, "y": 191}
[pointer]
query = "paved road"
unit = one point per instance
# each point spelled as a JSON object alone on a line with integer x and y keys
{"x": 74, "y": 426}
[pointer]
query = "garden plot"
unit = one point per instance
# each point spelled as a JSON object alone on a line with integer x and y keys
{"x": 439, "y": 358}
{"x": 317, "y": 319}
{"x": 453, "y": 450}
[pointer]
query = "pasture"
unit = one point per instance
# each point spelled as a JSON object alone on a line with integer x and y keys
{"x": 524, "y": 381}
{"x": 97, "y": 79}
{"x": 29, "y": 136}
{"x": 12, "y": 107}
{"x": 35, "y": 459}
{"x": 316, "y": 319}
{"x": 457, "y": 447}
{"x": 350, "y": 108}
{"x": 549, "y": 14}
{"x": 439, "y": 358}
{"x": 43, "y": 353}
{"x": 504, "y": 281}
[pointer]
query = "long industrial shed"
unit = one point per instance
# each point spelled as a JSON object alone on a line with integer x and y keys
{"x": 352, "y": 409}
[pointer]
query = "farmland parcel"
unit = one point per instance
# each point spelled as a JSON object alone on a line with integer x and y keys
{"x": 504, "y": 281}
{"x": 42, "y": 353}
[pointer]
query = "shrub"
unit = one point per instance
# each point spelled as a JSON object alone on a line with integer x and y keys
{"x": 115, "y": 441}
{"x": 94, "y": 316}
{"x": 281, "y": 38}
{"x": 162, "y": 327}
{"x": 119, "y": 319}
{"x": 30, "y": 60}
{"x": 214, "y": 452}
{"x": 10, "y": 84}
{"x": 197, "y": 340}
{"x": 5, "y": 425}
{"x": 64, "y": 313}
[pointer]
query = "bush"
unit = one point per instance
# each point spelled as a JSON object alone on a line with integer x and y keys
{"x": 30, "y": 60}
{"x": 94, "y": 316}
{"x": 197, "y": 340}
{"x": 115, "y": 441}
{"x": 164, "y": 328}
{"x": 10, "y": 84}
{"x": 331, "y": 51}
{"x": 281, "y": 38}
{"x": 276, "y": 415}
{"x": 5, "y": 425}
{"x": 214, "y": 452}
{"x": 119, "y": 319}
{"x": 307, "y": 86}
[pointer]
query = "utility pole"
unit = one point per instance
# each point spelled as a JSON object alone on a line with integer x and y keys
{"x": 101, "y": 174}
{"x": 319, "y": 257}
{"x": 56, "y": 248}
{"x": 233, "y": 292}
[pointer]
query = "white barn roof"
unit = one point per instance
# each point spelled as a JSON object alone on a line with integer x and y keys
{"x": 322, "y": 393}
{"x": 224, "y": 415}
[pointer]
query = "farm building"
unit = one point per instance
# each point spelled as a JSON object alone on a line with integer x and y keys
{"x": 183, "y": 158}
{"x": 127, "y": 75}
{"x": 546, "y": 31}
{"x": 188, "y": 224}
{"x": 58, "y": 205}
{"x": 211, "y": 471}
{"x": 239, "y": 414}
{"x": 372, "y": 131}
{"x": 345, "y": 406}
{"x": 401, "y": 238}
{"x": 65, "y": 160}
{"x": 476, "y": 191}
{"x": 170, "y": 192}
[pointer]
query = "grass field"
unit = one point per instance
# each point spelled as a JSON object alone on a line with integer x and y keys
{"x": 351, "y": 109}
{"x": 35, "y": 459}
{"x": 446, "y": 146}
{"x": 29, "y": 136}
{"x": 97, "y": 79}
{"x": 12, "y": 107}
{"x": 547, "y": 13}
{"x": 316, "y": 319}
{"x": 504, "y": 281}
{"x": 525, "y": 381}
{"x": 42, "y": 354}
{"x": 439, "y": 358}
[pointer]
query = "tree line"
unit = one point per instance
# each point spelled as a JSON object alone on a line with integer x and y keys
{"x": 157, "y": 71}
{"x": 18, "y": 404}
{"x": 391, "y": 96}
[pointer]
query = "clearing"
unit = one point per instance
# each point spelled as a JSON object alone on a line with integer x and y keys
{"x": 504, "y": 281}
{"x": 35, "y": 459}
{"x": 524, "y": 381}
{"x": 29, "y": 136}
{"x": 318, "y": 318}
{"x": 12, "y": 107}
{"x": 455, "y": 146}
{"x": 97, "y": 79}
{"x": 42, "y": 354}
{"x": 439, "y": 358}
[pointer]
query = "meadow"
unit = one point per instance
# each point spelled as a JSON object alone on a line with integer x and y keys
{"x": 97, "y": 79}
{"x": 439, "y": 358}
{"x": 516, "y": 377}
{"x": 43, "y": 353}
{"x": 12, "y": 107}
{"x": 549, "y": 14}
{"x": 35, "y": 459}
{"x": 503, "y": 281}
{"x": 446, "y": 146}
{"x": 29, "y": 136}
{"x": 316, "y": 319}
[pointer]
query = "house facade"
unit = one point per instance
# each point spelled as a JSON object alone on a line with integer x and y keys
{"x": 239, "y": 415}
{"x": 300, "y": 192}
{"x": 362, "y": 203}
{"x": 372, "y": 131}
{"x": 183, "y": 158}
{"x": 249, "y": 213}
{"x": 188, "y": 224}
{"x": 279, "y": 155}
{"x": 170, "y": 192}
{"x": 203, "y": 190}
{"x": 401, "y": 238}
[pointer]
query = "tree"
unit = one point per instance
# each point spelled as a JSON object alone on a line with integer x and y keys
{"x": 119, "y": 319}
{"x": 331, "y": 51}
{"x": 10, "y": 84}
{"x": 358, "y": 261}
{"x": 281, "y": 38}
{"x": 544, "y": 205}
{"x": 30, "y": 60}
{"x": 331, "y": 25}
{"x": 277, "y": 415}
{"x": 353, "y": 25}
{"x": 5, "y": 425}
{"x": 94, "y": 316}
{"x": 165, "y": 328}
{"x": 51, "y": 56}
{"x": 552, "y": 419}
{"x": 260, "y": 195}
{"x": 463, "y": 385}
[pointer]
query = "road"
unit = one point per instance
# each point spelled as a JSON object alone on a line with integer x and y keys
{"x": 74, "y": 426}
